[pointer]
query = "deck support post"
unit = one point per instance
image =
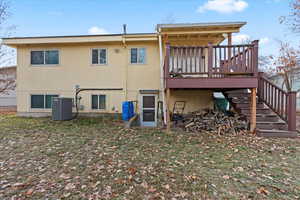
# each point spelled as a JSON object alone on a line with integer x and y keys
{"x": 168, "y": 120}
{"x": 210, "y": 59}
{"x": 255, "y": 57}
{"x": 253, "y": 110}
{"x": 291, "y": 111}
{"x": 229, "y": 43}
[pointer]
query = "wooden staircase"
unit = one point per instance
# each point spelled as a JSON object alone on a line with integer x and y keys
{"x": 269, "y": 124}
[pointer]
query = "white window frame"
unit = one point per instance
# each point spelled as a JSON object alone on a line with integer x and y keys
{"x": 98, "y": 109}
{"x": 145, "y": 61}
{"x": 44, "y": 50}
{"x": 44, "y": 94}
{"x": 98, "y": 49}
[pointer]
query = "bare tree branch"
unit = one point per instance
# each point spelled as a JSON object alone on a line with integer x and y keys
{"x": 286, "y": 63}
{"x": 7, "y": 75}
{"x": 293, "y": 19}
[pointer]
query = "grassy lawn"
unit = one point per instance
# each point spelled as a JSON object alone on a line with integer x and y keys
{"x": 97, "y": 159}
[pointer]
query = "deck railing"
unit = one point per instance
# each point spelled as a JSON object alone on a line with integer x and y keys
{"x": 211, "y": 61}
{"x": 281, "y": 102}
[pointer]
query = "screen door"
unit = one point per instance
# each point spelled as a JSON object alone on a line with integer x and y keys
{"x": 148, "y": 110}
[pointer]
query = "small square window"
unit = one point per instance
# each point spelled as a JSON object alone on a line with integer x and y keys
{"x": 99, "y": 56}
{"x": 138, "y": 55}
{"x": 99, "y": 102}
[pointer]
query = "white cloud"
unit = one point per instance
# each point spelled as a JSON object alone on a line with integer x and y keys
{"x": 224, "y": 6}
{"x": 244, "y": 38}
{"x": 264, "y": 40}
{"x": 240, "y": 39}
{"x": 95, "y": 30}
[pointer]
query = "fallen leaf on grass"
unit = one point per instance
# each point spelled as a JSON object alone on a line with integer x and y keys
{"x": 144, "y": 185}
{"x": 67, "y": 195}
{"x": 152, "y": 189}
{"x": 70, "y": 186}
{"x": 18, "y": 185}
{"x": 263, "y": 190}
{"x": 29, "y": 192}
{"x": 226, "y": 177}
{"x": 167, "y": 187}
{"x": 64, "y": 176}
{"x": 132, "y": 170}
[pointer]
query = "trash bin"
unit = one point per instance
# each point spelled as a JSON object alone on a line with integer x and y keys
{"x": 221, "y": 104}
{"x": 127, "y": 110}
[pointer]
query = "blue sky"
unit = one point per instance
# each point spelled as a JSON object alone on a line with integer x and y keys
{"x": 73, "y": 17}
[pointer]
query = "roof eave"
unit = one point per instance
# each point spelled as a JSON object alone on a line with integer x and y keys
{"x": 193, "y": 25}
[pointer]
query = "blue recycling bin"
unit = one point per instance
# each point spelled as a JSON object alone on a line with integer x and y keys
{"x": 127, "y": 110}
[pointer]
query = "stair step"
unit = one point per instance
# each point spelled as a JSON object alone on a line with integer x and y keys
{"x": 246, "y": 111}
{"x": 276, "y": 133}
{"x": 247, "y": 105}
{"x": 271, "y": 125}
{"x": 265, "y": 118}
{"x": 243, "y": 100}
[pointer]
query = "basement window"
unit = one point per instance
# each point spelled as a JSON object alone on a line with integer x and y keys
{"x": 98, "y": 102}
{"x": 99, "y": 56}
{"x": 138, "y": 55}
{"x": 42, "y": 101}
{"x": 49, "y": 57}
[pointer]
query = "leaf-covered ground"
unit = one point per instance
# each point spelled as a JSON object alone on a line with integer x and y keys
{"x": 98, "y": 159}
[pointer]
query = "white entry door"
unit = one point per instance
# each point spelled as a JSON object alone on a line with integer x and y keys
{"x": 148, "y": 110}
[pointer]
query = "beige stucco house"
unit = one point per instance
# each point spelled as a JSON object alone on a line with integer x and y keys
{"x": 124, "y": 67}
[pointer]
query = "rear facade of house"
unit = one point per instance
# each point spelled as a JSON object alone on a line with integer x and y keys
{"x": 177, "y": 63}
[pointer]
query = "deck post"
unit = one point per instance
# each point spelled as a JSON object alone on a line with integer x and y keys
{"x": 168, "y": 110}
{"x": 210, "y": 59}
{"x": 167, "y": 61}
{"x": 291, "y": 112}
{"x": 255, "y": 57}
{"x": 253, "y": 110}
{"x": 260, "y": 85}
{"x": 229, "y": 41}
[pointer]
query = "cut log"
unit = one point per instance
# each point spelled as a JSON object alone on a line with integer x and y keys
{"x": 216, "y": 122}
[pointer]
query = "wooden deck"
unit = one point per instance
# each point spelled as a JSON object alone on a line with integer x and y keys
{"x": 215, "y": 83}
{"x": 230, "y": 66}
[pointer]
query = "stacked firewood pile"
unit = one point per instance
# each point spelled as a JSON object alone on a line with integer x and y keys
{"x": 216, "y": 122}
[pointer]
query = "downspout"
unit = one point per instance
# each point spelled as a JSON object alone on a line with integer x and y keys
{"x": 126, "y": 65}
{"x": 162, "y": 83}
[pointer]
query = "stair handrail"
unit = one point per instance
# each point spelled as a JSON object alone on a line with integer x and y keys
{"x": 281, "y": 102}
{"x": 212, "y": 60}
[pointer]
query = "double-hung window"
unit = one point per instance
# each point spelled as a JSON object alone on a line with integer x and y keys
{"x": 42, "y": 101}
{"x": 98, "y": 102}
{"x": 47, "y": 57}
{"x": 99, "y": 56}
{"x": 138, "y": 55}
